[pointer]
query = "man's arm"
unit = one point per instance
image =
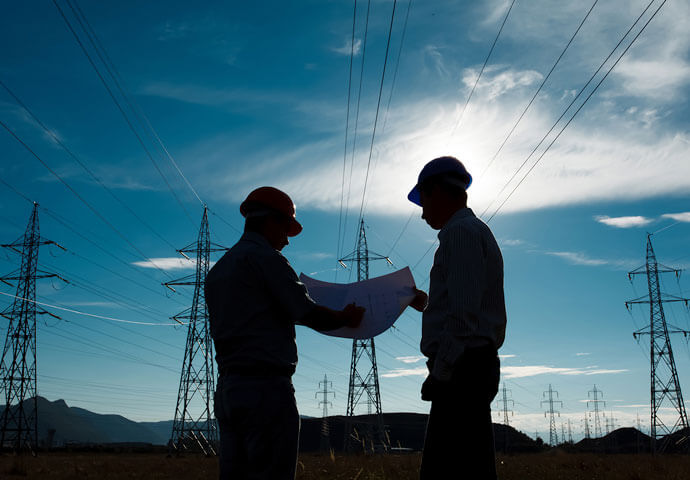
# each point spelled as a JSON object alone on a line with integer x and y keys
{"x": 325, "y": 319}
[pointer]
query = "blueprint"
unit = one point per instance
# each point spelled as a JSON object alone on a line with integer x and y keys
{"x": 384, "y": 298}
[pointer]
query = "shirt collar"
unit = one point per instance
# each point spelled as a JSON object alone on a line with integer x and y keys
{"x": 455, "y": 219}
{"x": 256, "y": 238}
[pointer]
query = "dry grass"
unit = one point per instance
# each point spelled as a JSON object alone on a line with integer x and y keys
{"x": 545, "y": 466}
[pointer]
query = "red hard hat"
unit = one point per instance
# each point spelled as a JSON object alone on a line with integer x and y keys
{"x": 273, "y": 199}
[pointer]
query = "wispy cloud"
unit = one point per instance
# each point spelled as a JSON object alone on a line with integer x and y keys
{"x": 168, "y": 263}
{"x": 582, "y": 354}
{"x": 411, "y": 359}
{"x": 496, "y": 81}
{"x": 509, "y": 355}
{"x": 406, "y": 372}
{"x": 508, "y": 242}
{"x": 534, "y": 370}
{"x": 579, "y": 258}
{"x": 678, "y": 217}
{"x": 348, "y": 47}
{"x": 624, "y": 222}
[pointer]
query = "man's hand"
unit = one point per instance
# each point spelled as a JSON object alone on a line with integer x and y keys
{"x": 353, "y": 315}
{"x": 420, "y": 301}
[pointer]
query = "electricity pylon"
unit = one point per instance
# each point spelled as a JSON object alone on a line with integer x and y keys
{"x": 364, "y": 352}
{"x": 553, "y": 434}
{"x": 325, "y": 442}
{"x": 587, "y": 434}
{"x": 665, "y": 387}
{"x": 19, "y": 428}
{"x": 596, "y": 394}
{"x": 503, "y": 405}
{"x": 570, "y": 432}
{"x": 195, "y": 427}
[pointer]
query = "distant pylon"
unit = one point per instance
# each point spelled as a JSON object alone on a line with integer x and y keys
{"x": 562, "y": 432}
{"x": 364, "y": 351}
{"x": 503, "y": 405}
{"x": 587, "y": 434}
{"x": 325, "y": 441}
{"x": 664, "y": 383}
{"x": 18, "y": 369}
{"x": 570, "y": 432}
{"x": 596, "y": 394}
{"x": 553, "y": 434}
{"x": 195, "y": 427}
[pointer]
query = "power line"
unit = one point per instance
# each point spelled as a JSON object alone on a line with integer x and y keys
{"x": 510, "y": 133}
{"x": 77, "y": 312}
{"x": 572, "y": 102}
{"x": 469, "y": 97}
{"x": 577, "y": 111}
{"x": 347, "y": 128}
{"x": 57, "y": 140}
{"x": 378, "y": 105}
{"x": 119, "y": 106}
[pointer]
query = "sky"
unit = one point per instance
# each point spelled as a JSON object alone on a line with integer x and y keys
{"x": 243, "y": 95}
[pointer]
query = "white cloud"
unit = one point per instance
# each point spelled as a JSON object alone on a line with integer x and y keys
{"x": 168, "y": 263}
{"x": 496, "y": 85}
{"x": 411, "y": 359}
{"x": 534, "y": 370}
{"x": 578, "y": 258}
{"x": 511, "y": 242}
{"x": 582, "y": 354}
{"x": 678, "y": 217}
{"x": 624, "y": 222}
{"x": 406, "y": 372}
{"x": 349, "y": 48}
{"x": 510, "y": 355}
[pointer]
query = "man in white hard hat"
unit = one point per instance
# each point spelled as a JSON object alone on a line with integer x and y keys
{"x": 255, "y": 299}
{"x": 463, "y": 326}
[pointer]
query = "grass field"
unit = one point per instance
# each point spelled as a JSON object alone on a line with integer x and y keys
{"x": 547, "y": 466}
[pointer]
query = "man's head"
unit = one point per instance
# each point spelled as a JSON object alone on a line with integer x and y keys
{"x": 271, "y": 213}
{"x": 441, "y": 190}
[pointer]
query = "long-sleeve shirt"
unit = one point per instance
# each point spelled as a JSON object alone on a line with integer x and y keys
{"x": 254, "y": 299}
{"x": 466, "y": 304}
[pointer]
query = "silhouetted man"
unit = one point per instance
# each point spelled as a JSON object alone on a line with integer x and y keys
{"x": 463, "y": 326}
{"x": 254, "y": 300}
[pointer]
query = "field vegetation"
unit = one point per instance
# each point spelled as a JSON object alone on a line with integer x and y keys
{"x": 544, "y": 466}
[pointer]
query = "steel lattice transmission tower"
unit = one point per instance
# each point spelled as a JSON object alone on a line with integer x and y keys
{"x": 195, "y": 427}
{"x": 19, "y": 427}
{"x": 553, "y": 433}
{"x": 325, "y": 442}
{"x": 596, "y": 400}
{"x": 665, "y": 387}
{"x": 364, "y": 375}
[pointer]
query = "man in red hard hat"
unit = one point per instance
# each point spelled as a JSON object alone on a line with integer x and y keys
{"x": 254, "y": 300}
{"x": 463, "y": 326}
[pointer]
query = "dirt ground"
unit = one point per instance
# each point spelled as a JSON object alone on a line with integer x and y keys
{"x": 546, "y": 466}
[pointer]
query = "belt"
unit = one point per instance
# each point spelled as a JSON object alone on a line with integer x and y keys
{"x": 256, "y": 370}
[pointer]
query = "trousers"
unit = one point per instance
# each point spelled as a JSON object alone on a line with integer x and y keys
{"x": 259, "y": 427}
{"x": 459, "y": 441}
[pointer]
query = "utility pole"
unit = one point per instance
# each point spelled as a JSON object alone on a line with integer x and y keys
{"x": 364, "y": 375}
{"x": 325, "y": 443}
{"x": 595, "y": 395}
{"x": 664, "y": 383}
{"x": 503, "y": 405}
{"x": 195, "y": 427}
{"x": 553, "y": 434}
{"x": 18, "y": 369}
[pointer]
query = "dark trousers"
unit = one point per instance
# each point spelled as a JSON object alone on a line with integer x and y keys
{"x": 259, "y": 426}
{"x": 459, "y": 442}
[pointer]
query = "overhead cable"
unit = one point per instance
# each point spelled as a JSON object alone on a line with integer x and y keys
{"x": 572, "y": 102}
{"x": 77, "y": 312}
{"x": 577, "y": 111}
{"x": 121, "y": 109}
{"x": 486, "y": 60}
{"x": 529, "y": 104}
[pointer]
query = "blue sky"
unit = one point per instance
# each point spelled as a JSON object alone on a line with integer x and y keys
{"x": 245, "y": 95}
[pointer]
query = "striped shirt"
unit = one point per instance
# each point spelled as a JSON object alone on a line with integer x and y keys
{"x": 466, "y": 303}
{"x": 254, "y": 300}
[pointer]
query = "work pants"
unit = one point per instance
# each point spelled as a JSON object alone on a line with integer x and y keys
{"x": 459, "y": 442}
{"x": 259, "y": 428}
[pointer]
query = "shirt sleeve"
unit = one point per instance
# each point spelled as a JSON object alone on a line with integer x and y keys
{"x": 463, "y": 263}
{"x": 284, "y": 285}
